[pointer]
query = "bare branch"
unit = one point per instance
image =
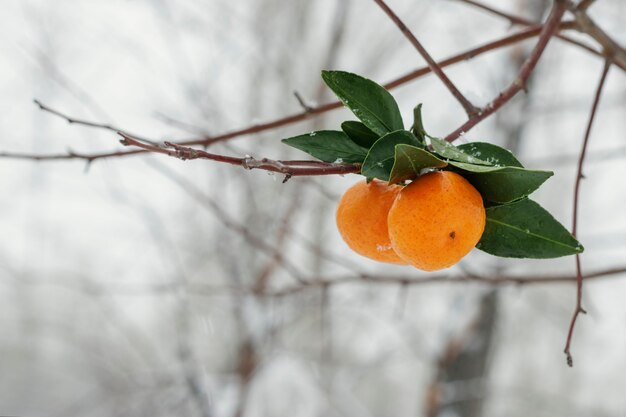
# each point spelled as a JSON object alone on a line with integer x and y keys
{"x": 515, "y": 20}
{"x": 203, "y": 289}
{"x": 408, "y": 280}
{"x": 294, "y": 168}
{"x": 584, "y": 24}
{"x": 256, "y": 241}
{"x": 579, "y": 175}
{"x": 612, "y": 50}
{"x": 87, "y": 123}
{"x": 284, "y": 121}
{"x": 306, "y": 107}
{"x": 470, "y": 109}
{"x": 548, "y": 30}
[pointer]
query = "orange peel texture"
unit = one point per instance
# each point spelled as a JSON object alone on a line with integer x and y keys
{"x": 436, "y": 220}
{"x": 362, "y": 219}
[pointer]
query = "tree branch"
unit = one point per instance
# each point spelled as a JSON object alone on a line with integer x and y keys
{"x": 514, "y": 38}
{"x": 439, "y": 278}
{"x": 611, "y": 49}
{"x": 293, "y": 168}
{"x": 584, "y": 24}
{"x": 579, "y": 175}
{"x": 87, "y": 123}
{"x": 470, "y": 109}
{"x": 548, "y": 30}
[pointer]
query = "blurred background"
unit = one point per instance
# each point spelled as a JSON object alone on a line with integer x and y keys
{"x": 148, "y": 286}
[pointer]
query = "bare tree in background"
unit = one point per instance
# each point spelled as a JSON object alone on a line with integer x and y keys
{"x": 239, "y": 300}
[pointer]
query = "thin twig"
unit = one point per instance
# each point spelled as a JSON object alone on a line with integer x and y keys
{"x": 254, "y": 240}
{"x": 87, "y": 123}
{"x": 291, "y": 168}
{"x": 408, "y": 280}
{"x": 548, "y": 30}
{"x": 518, "y": 20}
{"x": 579, "y": 175}
{"x": 305, "y": 106}
{"x": 583, "y": 25}
{"x": 611, "y": 49}
{"x": 203, "y": 289}
{"x": 284, "y": 230}
{"x": 515, "y": 20}
{"x": 470, "y": 109}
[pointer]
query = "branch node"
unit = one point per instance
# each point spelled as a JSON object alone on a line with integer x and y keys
{"x": 124, "y": 141}
{"x": 182, "y": 152}
{"x": 248, "y": 163}
{"x": 521, "y": 84}
{"x": 306, "y": 107}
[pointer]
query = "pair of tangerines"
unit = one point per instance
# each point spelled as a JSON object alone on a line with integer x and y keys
{"x": 431, "y": 223}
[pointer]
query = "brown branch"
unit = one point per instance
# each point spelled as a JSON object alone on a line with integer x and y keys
{"x": 548, "y": 30}
{"x": 585, "y": 4}
{"x": 579, "y": 175}
{"x": 202, "y": 289}
{"x": 258, "y": 242}
{"x": 611, "y": 49}
{"x": 584, "y": 24}
{"x": 515, "y": 20}
{"x": 284, "y": 230}
{"x": 441, "y": 278}
{"x": 470, "y": 109}
{"x": 289, "y": 168}
{"x": 313, "y": 111}
{"x": 87, "y": 123}
{"x": 68, "y": 156}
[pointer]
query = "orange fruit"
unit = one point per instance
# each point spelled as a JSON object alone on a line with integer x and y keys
{"x": 362, "y": 219}
{"x": 436, "y": 220}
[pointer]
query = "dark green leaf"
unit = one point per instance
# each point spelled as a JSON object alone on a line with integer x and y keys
{"x": 370, "y": 102}
{"x": 524, "y": 229}
{"x": 449, "y": 151}
{"x": 359, "y": 133}
{"x": 502, "y": 184}
{"x": 410, "y": 160}
{"x": 380, "y": 158}
{"x": 493, "y": 154}
{"x": 329, "y": 146}
{"x": 418, "y": 126}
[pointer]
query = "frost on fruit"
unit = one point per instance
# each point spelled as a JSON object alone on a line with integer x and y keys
{"x": 383, "y": 248}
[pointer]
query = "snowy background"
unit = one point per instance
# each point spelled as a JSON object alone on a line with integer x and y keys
{"x": 126, "y": 288}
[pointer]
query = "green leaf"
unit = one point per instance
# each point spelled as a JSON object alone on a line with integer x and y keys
{"x": 524, "y": 229}
{"x": 329, "y": 146}
{"x": 418, "y": 126}
{"x": 380, "y": 158}
{"x": 370, "y": 102}
{"x": 410, "y": 160}
{"x": 502, "y": 184}
{"x": 359, "y": 133}
{"x": 493, "y": 154}
{"x": 449, "y": 151}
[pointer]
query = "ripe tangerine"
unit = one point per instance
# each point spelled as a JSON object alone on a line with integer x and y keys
{"x": 436, "y": 220}
{"x": 362, "y": 219}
